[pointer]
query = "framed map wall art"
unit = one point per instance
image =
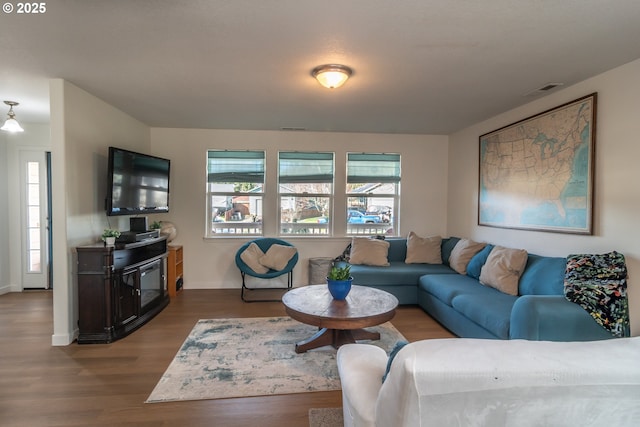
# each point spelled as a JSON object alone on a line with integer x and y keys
{"x": 537, "y": 174}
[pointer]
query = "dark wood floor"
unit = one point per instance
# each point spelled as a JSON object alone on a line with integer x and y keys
{"x": 107, "y": 384}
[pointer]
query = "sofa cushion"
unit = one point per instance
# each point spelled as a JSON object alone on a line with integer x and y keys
{"x": 278, "y": 256}
{"x": 447, "y": 246}
{"x": 423, "y": 250}
{"x": 543, "y": 276}
{"x": 503, "y": 269}
{"x": 398, "y": 273}
{"x": 478, "y": 260}
{"x": 490, "y": 309}
{"x": 397, "y": 249}
{"x": 445, "y": 287}
{"x": 251, "y": 256}
{"x": 462, "y": 253}
{"x": 369, "y": 252}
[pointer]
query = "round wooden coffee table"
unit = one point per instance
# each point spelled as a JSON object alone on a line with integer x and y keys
{"x": 339, "y": 322}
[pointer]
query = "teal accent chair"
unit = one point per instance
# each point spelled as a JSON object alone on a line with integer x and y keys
{"x": 264, "y": 244}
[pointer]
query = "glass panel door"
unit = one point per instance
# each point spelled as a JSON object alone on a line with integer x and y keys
{"x": 34, "y": 219}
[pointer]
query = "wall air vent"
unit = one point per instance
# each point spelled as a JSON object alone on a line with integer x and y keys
{"x": 543, "y": 89}
{"x": 292, "y": 128}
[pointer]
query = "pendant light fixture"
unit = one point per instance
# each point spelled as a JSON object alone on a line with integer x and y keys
{"x": 332, "y": 76}
{"x": 11, "y": 125}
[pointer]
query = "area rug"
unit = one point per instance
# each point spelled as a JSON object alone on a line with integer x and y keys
{"x": 223, "y": 358}
{"x": 326, "y": 417}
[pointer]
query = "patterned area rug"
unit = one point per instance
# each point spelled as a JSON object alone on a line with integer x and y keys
{"x": 223, "y": 358}
{"x": 326, "y": 417}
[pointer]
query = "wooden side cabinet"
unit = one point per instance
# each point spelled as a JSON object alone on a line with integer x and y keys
{"x": 174, "y": 270}
{"x": 120, "y": 288}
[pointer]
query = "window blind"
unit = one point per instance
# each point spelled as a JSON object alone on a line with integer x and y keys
{"x": 297, "y": 167}
{"x": 372, "y": 167}
{"x": 235, "y": 166}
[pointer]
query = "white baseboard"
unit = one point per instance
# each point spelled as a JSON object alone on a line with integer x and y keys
{"x": 59, "y": 340}
{"x": 5, "y": 289}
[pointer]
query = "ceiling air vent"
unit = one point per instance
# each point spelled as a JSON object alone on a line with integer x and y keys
{"x": 544, "y": 88}
{"x": 292, "y": 128}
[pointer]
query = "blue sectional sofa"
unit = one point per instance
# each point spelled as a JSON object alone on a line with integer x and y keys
{"x": 469, "y": 309}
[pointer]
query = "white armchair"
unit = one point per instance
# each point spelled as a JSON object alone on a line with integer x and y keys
{"x": 473, "y": 382}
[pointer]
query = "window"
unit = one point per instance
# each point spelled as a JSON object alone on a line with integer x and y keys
{"x": 305, "y": 188}
{"x": 373, "y": 193}
{"x": 235, "y": 190}
{"x": 34, "y": 229}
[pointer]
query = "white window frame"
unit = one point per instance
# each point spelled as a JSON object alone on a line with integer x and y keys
{"x": 325, "y": 166}
{"x": 251, "y": 167}
{"x": 380, "y": 168}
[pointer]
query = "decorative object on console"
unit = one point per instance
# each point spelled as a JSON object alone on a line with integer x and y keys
{"x": 11, "y": 125}
{"x": 168, "y": 229}
{"x": 109, "y": 236}
{"x": 339, "y": 281}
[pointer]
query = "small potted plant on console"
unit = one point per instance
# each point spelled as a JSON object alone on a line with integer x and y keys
{"x": 109, "y": 236}
{"x": 339, "y": 281}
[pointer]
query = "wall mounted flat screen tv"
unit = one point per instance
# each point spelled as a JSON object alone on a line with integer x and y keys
{"x": 138, "y": 183}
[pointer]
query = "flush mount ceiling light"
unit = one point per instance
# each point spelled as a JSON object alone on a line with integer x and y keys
{"x": 11, "y": 125}
{"x": 331, "y": 75}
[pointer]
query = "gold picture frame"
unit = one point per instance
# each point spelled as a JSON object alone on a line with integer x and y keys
{"x": 537, "y": 173}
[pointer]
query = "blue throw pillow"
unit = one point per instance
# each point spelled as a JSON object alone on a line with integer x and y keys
{"x": 478, "y": 260}
{"x": 447, "y": 246}
{"x": 392, "y": 354}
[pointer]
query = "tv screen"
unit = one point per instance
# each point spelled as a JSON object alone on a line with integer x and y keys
{"x": 138, "y": 183}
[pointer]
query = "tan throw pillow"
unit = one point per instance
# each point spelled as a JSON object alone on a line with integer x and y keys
{"x": 503, "y": 269}
{"x": 462, "y": 253}
{"x": 278, "y": 256}
{"x": 251, "y": 257}
{"x": 423, "y": 250}
{"x": 369, "y": 252}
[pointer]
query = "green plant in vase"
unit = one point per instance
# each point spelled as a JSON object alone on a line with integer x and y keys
{"x": 339, "y": 281}
{"x": 340, "y": 273}
{"x": 109, "y": 236}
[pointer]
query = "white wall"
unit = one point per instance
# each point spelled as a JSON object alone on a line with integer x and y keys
{"x": 209, "y": 263}
{"x": 616, "y": 192}
{"x": 82, "y": 129}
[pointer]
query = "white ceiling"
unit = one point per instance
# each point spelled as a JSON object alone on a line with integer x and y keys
{"x": 420, "y": 66}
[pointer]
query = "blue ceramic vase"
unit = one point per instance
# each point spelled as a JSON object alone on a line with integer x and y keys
{"x": 339, "y": 289}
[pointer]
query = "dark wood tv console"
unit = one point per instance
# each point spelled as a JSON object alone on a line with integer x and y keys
{"x": 120, "y": 288}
